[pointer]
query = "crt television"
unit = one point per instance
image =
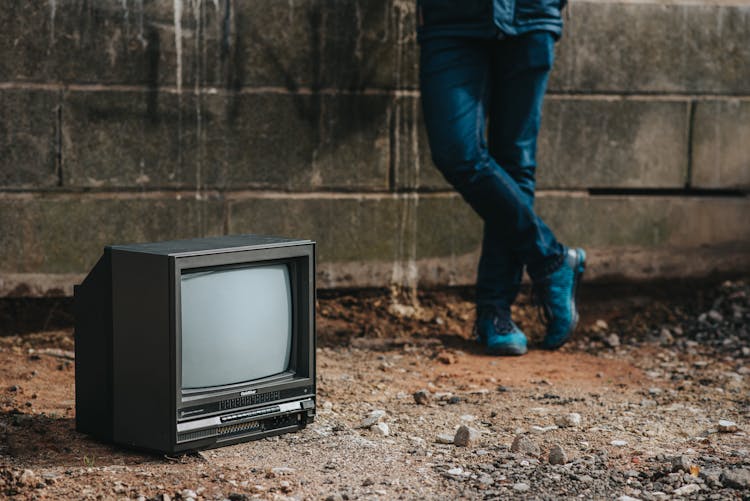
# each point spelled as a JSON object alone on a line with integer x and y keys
{"x": 194, "y": 344}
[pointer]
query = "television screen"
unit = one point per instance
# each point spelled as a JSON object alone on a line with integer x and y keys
{"x": 236, "y": 324}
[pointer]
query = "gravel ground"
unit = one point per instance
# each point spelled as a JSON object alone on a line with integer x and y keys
{"x": 650, "y": 401}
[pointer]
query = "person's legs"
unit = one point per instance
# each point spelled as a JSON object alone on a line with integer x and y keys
{"x": 455, "y": 78}
{"x": 519, "y": 71}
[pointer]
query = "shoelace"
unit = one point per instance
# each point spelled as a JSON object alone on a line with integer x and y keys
{"x": 500, "y": 319}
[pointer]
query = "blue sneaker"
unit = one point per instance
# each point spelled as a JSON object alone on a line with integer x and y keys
{"x": 556, "y": 295}
{"x": 496, "y": 331}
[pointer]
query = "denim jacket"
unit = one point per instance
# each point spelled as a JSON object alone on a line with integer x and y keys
{"x": 488, "y": 18}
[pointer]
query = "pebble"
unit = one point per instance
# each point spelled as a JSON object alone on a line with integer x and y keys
{"x": 485, "y": 479}
{"x": 521, "y": 487}
{"x": 375, "y": 416}
{"x": 28, "y": 477}
{"x": 666, "y": 337}
{"x": 726, "y": 426}
{"x": 444, "y": 438}
{"x": 422, "y": 397}
{"x": 465, "y": 436}
{"x": 381, "y": 429}
{"x": 681, "y": 463}
{"x": 686, "y": 490}
{"x": 619, "y": 443}
{"x": 525, "y": 445}
{"x": 557, "y": 455}
{"x": 571, "y": 420}
{"x": 627, "y": 498}
{"x": 736, "y": 479}
{"x": 542, "y": 429}
{"x": 188, "y": 493}
{"x": 281, "y": 470}
{"x": 613, "y": 340}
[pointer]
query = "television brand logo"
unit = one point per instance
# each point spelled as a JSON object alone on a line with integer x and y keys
{"x": 248, "y": 392}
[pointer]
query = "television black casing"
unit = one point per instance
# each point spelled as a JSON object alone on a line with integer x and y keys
{"x": 128, "y": 358}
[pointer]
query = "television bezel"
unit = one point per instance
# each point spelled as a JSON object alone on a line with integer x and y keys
{"x": 300, "y": 259}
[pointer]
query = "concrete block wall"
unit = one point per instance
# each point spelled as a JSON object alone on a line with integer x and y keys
{"x": 135, "y": 120}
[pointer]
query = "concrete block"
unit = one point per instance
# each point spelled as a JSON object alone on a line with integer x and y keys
{"x": 28, "y": 138}
{"x": 613, "y": 143}
{"x": 128, "y": 139}
{"x": 368, "y": 44}
{"x": 721, "y": 144}
{"x": 66, "y": 233}
{"x": 583, "y": 143}
{"x": 347, "y": 228}
{"x": 226, "y": 140}
{"x": 347, "y": 43}
{"x": 655, "y": 46}
{"x": 645, "y": 222}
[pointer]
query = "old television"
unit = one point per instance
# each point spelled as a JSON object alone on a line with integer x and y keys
{"x": 194, "y": 344}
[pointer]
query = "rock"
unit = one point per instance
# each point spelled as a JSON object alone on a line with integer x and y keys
{"x": 188, "y": 493}
{"x": 235, "y": 496}
{"x": 613, "y": 340}
{"x": 726, "y": 426}
{"x": 28, "y": 477}
{"x": 666, "y": 337}
{"x": 446, "y": 357}
{"x": 681, "y": 463}
{"x": 375, "y": 416}
{"x": 525, "y": 445}
{"x": 444, "y": 438}
{"x": 571, "y": 420}
{"x": 422, "y": 397}
{"x": 715, "y": 316}
{"x": 465, "y": 436}
{"x": 381, "y": 429}
{"x": 454, "y": 400}
{"x": 538, "y": 430}
{"x": 619, "y": 443}
{"x": 686, "y": 490}
{"x": 736, "y": 479}
{"x": 521, "y": 487}
{"x": 327, "y": 405}
{"x": 485, "y": 479}
{"x": 557, "y": 455}
{"x": 627, "y": 498}
{"x": 279, "y": 471}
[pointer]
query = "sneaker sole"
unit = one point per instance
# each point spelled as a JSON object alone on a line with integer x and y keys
{"x": 580, "y": 268}
{"x": 510, "y": 350}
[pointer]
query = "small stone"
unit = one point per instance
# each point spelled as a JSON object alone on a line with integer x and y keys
{"x": 13, "y": 388}
{"x": 455, "y": 473}
{"x": 686, "y": 490}
{"x": 375, "y": 416}
{"x": 627, "y": 498}
{"x": 538, "y": 430}
{"x": 188, "y": 493}
{"x": 465, "y": 436}
{"x": 525, "y": 445}
{"x": 422, "y": 397}
{"x": 381, "y": 429}
{"x": 666, "y": 337}
{"x": 521, "y": 487}
{"x": 557, "y": 455}
{"x": 485, "y": 479}
{"x": 681, "y": 463}
{"x": 600, "y": 325}
{"x": 654, "y": 391}
{"x": 736, "y": 479}
{"x": 613, "y": 340}
{"x": 279, "y": 471}
{"x": 715, "y": 316}
{"x": 28, "y": 477}
{"x": 444, "y": 438}
{"x": 455, "y": 399}
{"x": 235, "y": 496}
{"x": 368, "y": 482}
{"x": 619, "y": 443}
{"x": 571, "y": 420}
{"x": 726, "y": 426}
{"x": 327, "y": 405}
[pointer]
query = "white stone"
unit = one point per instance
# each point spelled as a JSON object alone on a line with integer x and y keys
{"x": 686, "y": 490}
{"x": 381, "y": 429}
{"x": 619, "y": 443}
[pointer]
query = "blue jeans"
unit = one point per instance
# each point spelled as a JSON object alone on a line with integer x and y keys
{"x": 467, "y": 83}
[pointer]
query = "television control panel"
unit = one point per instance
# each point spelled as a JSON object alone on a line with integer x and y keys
{"x": 247, "y": 424}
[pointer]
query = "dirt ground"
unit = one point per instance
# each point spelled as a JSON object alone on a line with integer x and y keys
{"x": 650, "y": 400}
